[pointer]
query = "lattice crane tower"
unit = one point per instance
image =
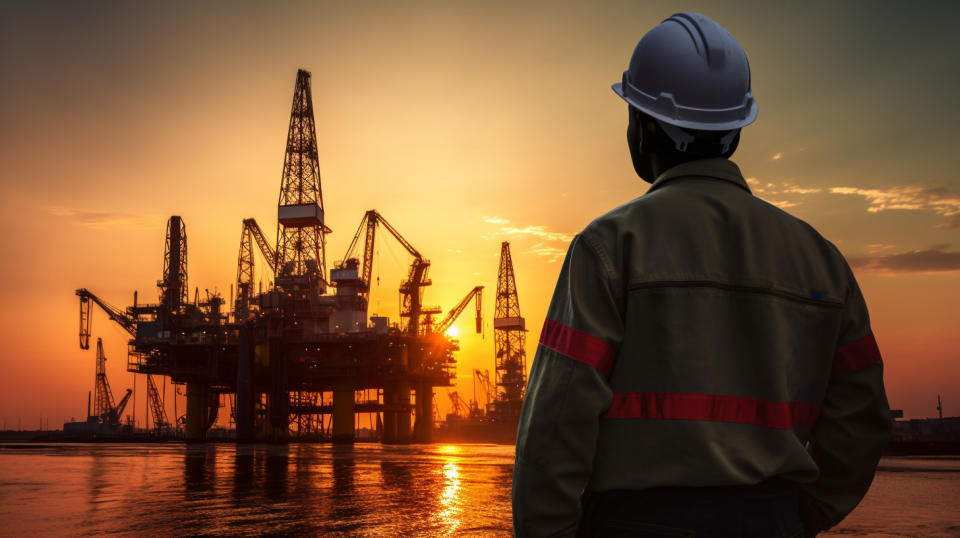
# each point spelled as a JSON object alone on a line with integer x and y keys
{"x": 300, "y": 228}
{"x": 510, "y": 339}
{"x": 103, "y": 403}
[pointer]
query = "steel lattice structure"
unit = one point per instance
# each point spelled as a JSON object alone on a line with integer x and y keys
{"x": 300, "y": 230}
{"x": 245, "y": 268}
{"x": 103, "y": 403}
{"x": 157, "y": 412}
{"x": 174, "y": 290}
{"x": 246, "y": 265}
{"x": 510, "y": 340}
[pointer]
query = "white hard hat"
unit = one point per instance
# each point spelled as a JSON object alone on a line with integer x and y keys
{"x": 689, "y": 72}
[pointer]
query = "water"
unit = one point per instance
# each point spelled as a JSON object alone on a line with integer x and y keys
{"x": 367, "y": 489}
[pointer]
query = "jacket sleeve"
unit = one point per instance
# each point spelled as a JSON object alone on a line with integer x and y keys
{"x": 854, "y": 424}
{"x": 566, "y": 393}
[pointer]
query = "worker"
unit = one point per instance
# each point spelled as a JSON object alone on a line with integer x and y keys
{"x": 707, "y": 365}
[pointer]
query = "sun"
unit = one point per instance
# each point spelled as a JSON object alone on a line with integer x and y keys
{"x": 453, "y": 331}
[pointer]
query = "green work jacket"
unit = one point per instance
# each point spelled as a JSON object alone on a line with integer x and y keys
{"x": 700, "y": 336}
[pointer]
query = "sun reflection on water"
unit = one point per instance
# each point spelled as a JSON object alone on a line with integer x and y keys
{"x": 450, "y": 504}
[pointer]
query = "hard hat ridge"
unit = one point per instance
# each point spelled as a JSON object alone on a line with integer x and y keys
{"x": 710, "y": 48}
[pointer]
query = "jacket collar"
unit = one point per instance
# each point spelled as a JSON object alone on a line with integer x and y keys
{"x": 716, "y": 168}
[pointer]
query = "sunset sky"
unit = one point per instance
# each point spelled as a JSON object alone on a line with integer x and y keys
{"x": 464, "y": 124}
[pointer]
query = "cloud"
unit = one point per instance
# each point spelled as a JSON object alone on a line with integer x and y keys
{"x": 874, "y": 248}
{"x": 939, "y": 200}
{"x": 800, "y": 190}
{"x": 552, "y": 253}
{"x": 548, "y": 244}
{"x": 934, "y": 259}
{"x": 100, "y": 220}
{"x": 536, "y": 231}
{"x": 952, "y": 222}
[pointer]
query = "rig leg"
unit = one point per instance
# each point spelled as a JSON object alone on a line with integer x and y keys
{"x": 391, "y": 403}
{"x": 245, "y": 386}
{"x": 343, "y": 412}
{"x": 403, "y": 412}
{"x": 196, "y": 411}
{"x": 423, "y": 429}
{"x": 279, "y": 395}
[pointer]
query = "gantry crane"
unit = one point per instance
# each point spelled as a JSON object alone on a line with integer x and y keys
{"x": 356, "y": 273}
{"x": 105, "y": 411}
{"x": 455, "y": 312}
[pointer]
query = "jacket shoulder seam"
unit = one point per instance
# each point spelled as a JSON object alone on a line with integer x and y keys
{"x": 601, "y": 254}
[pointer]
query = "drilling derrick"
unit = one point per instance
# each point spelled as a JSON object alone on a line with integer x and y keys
{"x": 510, "y": 342}
{"x": 173, "y": 288}
{"x": 301, "y": 262}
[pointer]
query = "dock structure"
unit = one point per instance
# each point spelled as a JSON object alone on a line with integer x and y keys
{"x": 301, "y": 357}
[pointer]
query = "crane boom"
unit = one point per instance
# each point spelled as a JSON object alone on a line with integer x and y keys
{"x": 128, "y": 322}
{"x": 486, "y": 386}
{"x": 411, "y": 290}
{"x": 455, "y": 312}
{"x": 368, "y": 227}
{"x": 268, "y": 252}
{"x": 368, "y": 251}
{"x": 157, "y": 413}
{"x": 406, "y": 244}
{"x": 458, "y": 403}
{"x": 250, "y": 233}
{"x": 118, "y": 411}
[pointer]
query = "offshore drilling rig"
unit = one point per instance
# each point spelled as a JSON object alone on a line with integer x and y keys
{"x": 295, "y": 354}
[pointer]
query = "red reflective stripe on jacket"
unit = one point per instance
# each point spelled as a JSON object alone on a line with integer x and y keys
{"x": 715, "y": 407}
{"x": 853, "y": 356}
{"x": 577, "y": 345}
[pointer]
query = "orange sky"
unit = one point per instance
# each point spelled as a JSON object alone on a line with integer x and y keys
{"x": 464, "y": 126}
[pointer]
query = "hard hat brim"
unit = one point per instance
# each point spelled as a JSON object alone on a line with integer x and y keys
{"x": 665, "y": 108}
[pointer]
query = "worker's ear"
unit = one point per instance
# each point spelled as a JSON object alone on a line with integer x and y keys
{"x": 640, "y": 139}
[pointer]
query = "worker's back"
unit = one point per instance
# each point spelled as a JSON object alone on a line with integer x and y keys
{"x": 700, "y": 336}
{"x": 733, "y": 310}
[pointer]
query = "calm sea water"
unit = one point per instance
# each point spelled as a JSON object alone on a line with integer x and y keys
{"x": 367, "y": 489}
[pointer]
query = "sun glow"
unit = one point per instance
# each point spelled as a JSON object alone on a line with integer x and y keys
{"x": 453, "y": 331}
